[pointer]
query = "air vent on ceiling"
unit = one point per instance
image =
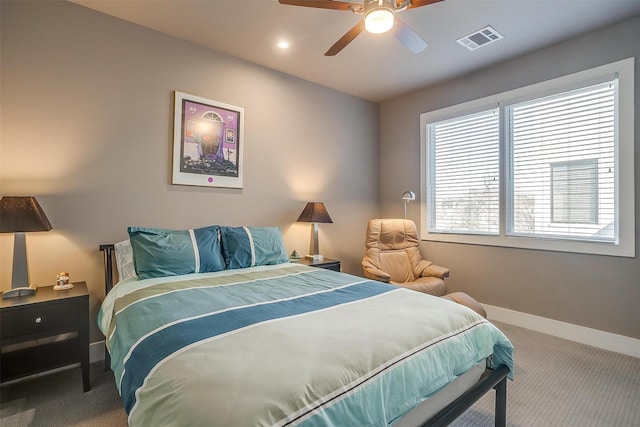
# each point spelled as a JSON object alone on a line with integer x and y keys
{"x": 480, "y": 38}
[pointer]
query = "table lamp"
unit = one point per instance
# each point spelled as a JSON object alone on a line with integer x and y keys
{"x": 19, "y": 215}
{"x": 315, "y": 212}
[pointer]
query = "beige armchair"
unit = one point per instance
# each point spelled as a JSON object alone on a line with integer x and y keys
{"x": 393, "y": 256}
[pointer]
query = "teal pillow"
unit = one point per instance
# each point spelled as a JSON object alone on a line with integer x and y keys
{"x": 159, "y": 252}
{"x": 251, "y": 246}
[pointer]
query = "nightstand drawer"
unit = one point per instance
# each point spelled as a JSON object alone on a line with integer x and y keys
{"x": 39, "y": 318}
{"x": 326, "y": 263}
{"x": 335, "y": 266}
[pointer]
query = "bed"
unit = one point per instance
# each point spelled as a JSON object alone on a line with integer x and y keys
{"x": 215, "y": 326}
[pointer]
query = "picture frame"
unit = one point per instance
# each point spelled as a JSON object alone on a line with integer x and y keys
{"x": 208, "y": 142}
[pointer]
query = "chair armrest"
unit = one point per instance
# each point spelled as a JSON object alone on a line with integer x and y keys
{"x": 429, "y": 269}
{"x": 436, "y": 271}
{"x": 371, "y": 272}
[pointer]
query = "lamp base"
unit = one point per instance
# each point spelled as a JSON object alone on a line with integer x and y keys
{"x": 316, "y": 257}
{"x": 19, "y": 292}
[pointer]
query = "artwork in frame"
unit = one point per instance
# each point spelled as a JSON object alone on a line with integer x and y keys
{"x": 208, "y": 142}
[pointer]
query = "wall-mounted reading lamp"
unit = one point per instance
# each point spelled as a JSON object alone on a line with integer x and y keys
{"x": 407, "y": 196}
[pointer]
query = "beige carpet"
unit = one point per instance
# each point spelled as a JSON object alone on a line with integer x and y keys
{"x": 557, "y": 383}
{"x": 562, "y": 383}
{"x": 57, "y": 399}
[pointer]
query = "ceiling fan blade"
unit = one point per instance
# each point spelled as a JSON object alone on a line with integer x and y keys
{"x": 320, "y": 4}
{"x": 346, "y": 39}
{"x": 420, "y": 3}
{"x": 408, "y": 37}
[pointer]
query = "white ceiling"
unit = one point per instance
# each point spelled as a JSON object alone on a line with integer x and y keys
{"x": 373, "y": 67}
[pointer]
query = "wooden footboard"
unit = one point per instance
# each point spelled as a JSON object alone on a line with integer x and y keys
{"x": 491, "y": 379}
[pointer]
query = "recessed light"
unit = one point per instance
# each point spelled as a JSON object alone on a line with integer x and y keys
{"x": 283, "y": 44}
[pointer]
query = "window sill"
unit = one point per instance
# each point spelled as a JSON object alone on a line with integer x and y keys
{"x": 555, "y": 245}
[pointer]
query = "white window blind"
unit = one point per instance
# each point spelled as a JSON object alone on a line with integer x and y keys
{"x": 563, "y": 166}
{"x": 561, "y": 154}
{"x": 463, "y": 164}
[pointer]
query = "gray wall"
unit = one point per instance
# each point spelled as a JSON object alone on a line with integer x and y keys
{"x": 87, "y": 118}
{"x": 86, "y": 126}
{"x": 594, "y": 291}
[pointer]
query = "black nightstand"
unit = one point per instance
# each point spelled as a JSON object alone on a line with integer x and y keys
{"x": 45, "y": 331}
{"x": 327, "y": 263}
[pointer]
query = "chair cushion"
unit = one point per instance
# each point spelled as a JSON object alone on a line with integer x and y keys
{"x": 392, "y": 234}
{"x": 397, "y": 265}
{"x": 427, "y": 285}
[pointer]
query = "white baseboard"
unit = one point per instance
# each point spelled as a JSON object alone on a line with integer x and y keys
{"x": 593, "y": 337}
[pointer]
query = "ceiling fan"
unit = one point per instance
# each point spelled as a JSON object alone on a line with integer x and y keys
{"x": 379, "y": 17}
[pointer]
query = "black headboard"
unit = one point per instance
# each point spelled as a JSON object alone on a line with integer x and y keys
{"x": 108, "y": 267}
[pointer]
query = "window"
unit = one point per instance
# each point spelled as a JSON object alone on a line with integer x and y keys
{"x": 546, "y": 167}
{"x": 563, "y": 164}
{"x": 464, "y": 171}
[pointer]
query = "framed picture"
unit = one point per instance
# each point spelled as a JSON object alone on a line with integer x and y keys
{"x": 208, "y": 142}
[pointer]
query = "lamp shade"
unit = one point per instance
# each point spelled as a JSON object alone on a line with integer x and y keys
{"x": 315, "y": 212}
{"x": 408, "y": 195}
{"x": 22, "y": 214}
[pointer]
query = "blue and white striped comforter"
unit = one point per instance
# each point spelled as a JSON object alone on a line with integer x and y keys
{"x": 285, "y": 345}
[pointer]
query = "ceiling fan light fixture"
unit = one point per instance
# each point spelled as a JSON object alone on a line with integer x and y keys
{"x": 379, "y": 16}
